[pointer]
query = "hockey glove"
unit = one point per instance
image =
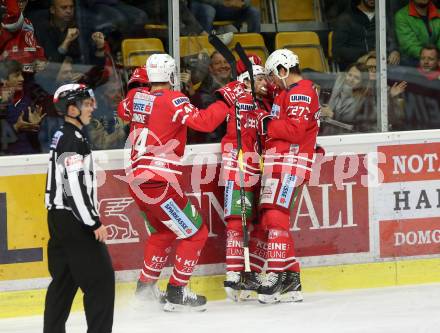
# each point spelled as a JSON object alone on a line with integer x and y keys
{"x": 262, "y": 121}
{"x": 231, "y": 92}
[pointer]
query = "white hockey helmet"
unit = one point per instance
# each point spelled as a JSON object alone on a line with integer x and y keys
{"x": 161, "y": 68}
{"x": 257, "y": 70}
{"x": 283, "y": 57}
{"x": 72, "y": 94}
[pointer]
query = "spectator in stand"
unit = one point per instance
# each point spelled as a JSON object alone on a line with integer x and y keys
{"x": 22, "y": 116}
{"x": 17, "y": 38}
{"x": 239, "y": 11}
{"x": 355, "y": 35}
{"x": 417, "y": 25}
{"x": 219, "y": 74}
{"x": 60, "y": 36}
{"x": 429, "y": 63}
{"x": 422, "y": 97}
{"x": 106, "y": 129}
{"x": 347, "y": 98}
{"x": 366, "y": 120}
{"x": 158, "y": 14}
{"x": 127, "y": 20}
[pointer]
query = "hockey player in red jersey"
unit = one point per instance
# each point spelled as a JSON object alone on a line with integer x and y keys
{"x": 238, "y": 284}
{"x": 291, "y": 131}
{"x": 158, "y": 137}
{"x": 238, "y": 93}
{"x": 17, "y": 38}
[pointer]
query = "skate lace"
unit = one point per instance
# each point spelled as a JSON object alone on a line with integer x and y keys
{"x": 271, "y": 279}
{"x": 188, "y": 294}
{"x": 259, "y": 278}
{"x": 232, "y": 276}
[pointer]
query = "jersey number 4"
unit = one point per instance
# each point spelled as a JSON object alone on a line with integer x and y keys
{"x": 140, "y": 145}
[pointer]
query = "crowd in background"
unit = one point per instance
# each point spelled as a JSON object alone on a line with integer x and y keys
{"x": 45, "y": 43}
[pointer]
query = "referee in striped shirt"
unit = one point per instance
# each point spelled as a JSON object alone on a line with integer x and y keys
{"x": 77, "y": 254}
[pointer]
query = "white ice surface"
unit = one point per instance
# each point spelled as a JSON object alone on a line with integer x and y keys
{"x": 412, "y": 309}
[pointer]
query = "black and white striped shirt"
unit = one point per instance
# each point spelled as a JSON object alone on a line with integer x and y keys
{"x": 71, "y": 182}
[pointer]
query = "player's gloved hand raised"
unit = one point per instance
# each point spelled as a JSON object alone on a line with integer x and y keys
{"x": 263, "y": 120}
{"x": 231, "y": 92}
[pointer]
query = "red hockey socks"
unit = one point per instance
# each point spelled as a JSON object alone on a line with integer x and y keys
{"x": 234, "y": 245}
{"x": 156, "y": 252}
{"x": 187, "y": 255}
{"x": 280, "y": 247}
{"x": 258, "y": 248}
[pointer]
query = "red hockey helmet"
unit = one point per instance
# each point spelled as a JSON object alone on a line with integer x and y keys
{"x": 139, "y": 75}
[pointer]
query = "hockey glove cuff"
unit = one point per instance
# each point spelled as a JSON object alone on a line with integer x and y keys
{"x": 231, "y": 92}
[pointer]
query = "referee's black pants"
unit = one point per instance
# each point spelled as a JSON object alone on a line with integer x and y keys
{"x": 77, "y": 259}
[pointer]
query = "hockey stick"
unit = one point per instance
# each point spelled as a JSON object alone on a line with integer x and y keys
{"x": 227, "y": 54}
{"x": 244, "y": 58}
{"x": 336, "y": 123}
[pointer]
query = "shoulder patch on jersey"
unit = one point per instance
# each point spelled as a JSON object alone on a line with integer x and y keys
{"x": 275, "y": 112}
{"x": 143, "y": 102}
{"x": 78, "y": 135}
{"x": 300, "y": 98}
{"x": 180, "y": 100}
{"x": 56, "y": 138}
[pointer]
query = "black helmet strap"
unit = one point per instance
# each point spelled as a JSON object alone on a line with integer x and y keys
{"x": 78, "y": 117}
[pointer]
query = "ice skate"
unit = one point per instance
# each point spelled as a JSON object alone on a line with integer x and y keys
{"x": 149, "y": 291}
{"x": 251, "y": 281}
{"x": 232, "y": 285}
{"x": 181, "y": 298}
{"x": 270, "y": 290}
{"x": 291, "y": 287}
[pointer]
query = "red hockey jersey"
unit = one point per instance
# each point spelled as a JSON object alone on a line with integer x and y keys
{"x": 218, "y": 112}
{"x": 291, "y": 134}
{"x": 158, "y": 132}
{"x": 17, "y": 38}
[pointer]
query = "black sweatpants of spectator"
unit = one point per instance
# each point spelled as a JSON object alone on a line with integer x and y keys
{"x": 77, "y": 259}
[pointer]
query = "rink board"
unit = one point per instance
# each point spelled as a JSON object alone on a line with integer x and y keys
{"x": 369, "y": 217}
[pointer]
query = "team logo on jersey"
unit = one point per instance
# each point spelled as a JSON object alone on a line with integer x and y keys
{"x": 286, "y": 191}
{"x": 180, "y": 100}
{"x": 29, "y": 38}
{"x": 275, "y": 112}
{"x": 300, "y": 98}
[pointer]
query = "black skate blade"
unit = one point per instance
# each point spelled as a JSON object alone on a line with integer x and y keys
{"x": 171, "y": 307}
